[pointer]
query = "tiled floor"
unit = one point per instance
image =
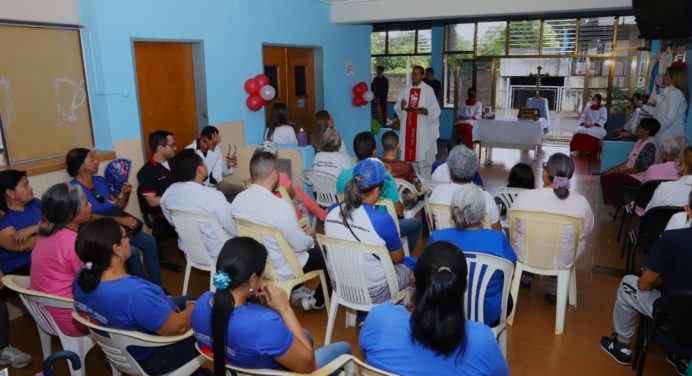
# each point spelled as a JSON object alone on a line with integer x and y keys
{"x": 533, "y": 348}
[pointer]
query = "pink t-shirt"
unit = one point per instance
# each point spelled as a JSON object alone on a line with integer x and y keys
{"x": 54, "y": 265}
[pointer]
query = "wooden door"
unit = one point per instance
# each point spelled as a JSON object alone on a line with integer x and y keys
{"x": 291, "y": 70}
{"x": 166, "y": 88}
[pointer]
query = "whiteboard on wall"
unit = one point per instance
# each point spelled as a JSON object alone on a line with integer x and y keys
{"x": 43, "y": 97}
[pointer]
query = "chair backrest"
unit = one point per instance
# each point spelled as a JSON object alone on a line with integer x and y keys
{"x": 506, "y": 196}
{"x": 654, "y": 223}
{"x": 438, "y": 216}
{"x": 271, "y": 238}
{"x": 324, "y": 185}
{"x": 284, "y": 194}
{"x": 673, "y": 317}
{"x": 362, "y": 369}
{"x": 646, "y": 192}
{"x": 543, "y": 232}
{"x": 36, "y": 302}
{"x": 481, "y": 269}
{"x": 391, "y": 210}
{"x": 346, "y": 262}
{"x": 187, "y": 225}
{"x": 114, "y": 343}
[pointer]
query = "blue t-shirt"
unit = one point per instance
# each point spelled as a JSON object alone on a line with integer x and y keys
{"x": 671, "y": 257}
{"x": 101, "y": 188}
{"x": 128, "y": 303}
{"x": 490, "y": 242}
{"x": 255, "y": 336}
{"x": 19, "y": 220}
{"x": 385, "y": 341}
{"x": 388, "y": 191}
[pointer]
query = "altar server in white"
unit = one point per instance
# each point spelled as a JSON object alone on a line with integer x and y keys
{"x": 469, "y": 112}
{"x": 591, "y": 130}
{"x": 419, "y": 112}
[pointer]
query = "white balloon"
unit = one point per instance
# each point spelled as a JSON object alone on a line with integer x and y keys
{"x": 368, "y": 96}
{"x": 267, "y": 92}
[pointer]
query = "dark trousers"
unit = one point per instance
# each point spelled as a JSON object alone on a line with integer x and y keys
{"x": 316, "y": 262}
{"x": 612, "y": 184}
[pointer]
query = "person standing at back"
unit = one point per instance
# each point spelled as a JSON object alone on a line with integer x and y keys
{"x": 434, "y": 83}
{"x": 380, "y": 88}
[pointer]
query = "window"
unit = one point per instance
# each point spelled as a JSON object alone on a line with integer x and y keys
{"x": 524, "y": 37}
{"x": 596, "y": 35}
{"x": 398, "y": 51}
{"x": 492, "y": 38}
{"x": 559, "y": 37}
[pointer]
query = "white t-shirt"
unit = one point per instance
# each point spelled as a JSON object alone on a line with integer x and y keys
{"x": 332, "y": 162}
{"x": 283, "y": 134}
{"x": 371, "y": 227}
{"x": 259, "y": 205}
{"x": 672, "y": 193}
{"x": 678, "y": 221}
{"x": 443, "y": 193}
{"x": 195, "y": 198}
{"x": 214, "y": 161}
{"x": 441, "y": 174}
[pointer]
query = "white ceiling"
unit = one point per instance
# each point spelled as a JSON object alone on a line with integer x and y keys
{"x": 375, "y": 11}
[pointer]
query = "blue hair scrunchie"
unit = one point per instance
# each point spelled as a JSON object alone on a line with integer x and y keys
{"x": 221, "y": 280}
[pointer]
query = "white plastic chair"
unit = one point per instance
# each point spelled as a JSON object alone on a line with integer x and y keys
{"x": 438, "y": 216}
{"x": 187, "y": 225}
{"x": 347, "y": 260}
{"x": 36, "y": 303}
{"x": 543, "y": 232}
{"x": 401, "y": 186}
{"x": 324, "y": 185}
{"x": 507, "y": 196}
{"x": 273, "y": 236}
{"x": 114, "y": 343}
{"x": 391, "y": 210}
{"x": 487, "y": 265}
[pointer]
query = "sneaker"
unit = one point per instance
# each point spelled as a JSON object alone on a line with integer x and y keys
{"x": 677, "y": 362}
{"x": 299, "y": 293}
{"x": 309, "y": 303}
{"x": 619, "y": 351}
{"x": 14, "y": 357}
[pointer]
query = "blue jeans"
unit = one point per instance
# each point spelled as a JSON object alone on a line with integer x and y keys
{"x": 146, "y": 245}
{"x": 326, "y": 354}
{"x": 410, "y": 227}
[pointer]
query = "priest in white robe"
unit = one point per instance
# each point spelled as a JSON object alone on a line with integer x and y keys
{"x": 587, "y": 137}
{"x": 419, "y": 114}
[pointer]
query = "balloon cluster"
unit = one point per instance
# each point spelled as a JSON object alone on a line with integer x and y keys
{"x": 361, "y": 94}
{"x": 260, "y": 92}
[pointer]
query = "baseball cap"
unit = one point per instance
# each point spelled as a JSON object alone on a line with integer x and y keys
{"x": 372, "y": 170}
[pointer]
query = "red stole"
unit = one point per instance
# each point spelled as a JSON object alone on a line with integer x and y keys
{"x": 471, "y": 101}
{"x": 412, "y": 125}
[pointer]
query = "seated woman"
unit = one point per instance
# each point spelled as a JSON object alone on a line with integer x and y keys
{"x": 296, "y": 193}
{"x": 54, "y": 262}
{"x": 19, "y": 226}
{"x": 631, "y": 172}
{"x": 667, "y": 170}
{"x": 433, "y": 338}
{"x": 555, "y": 197}
{"x": 674, "y": 193}
{"x": 356, "y": 219}
{"x": 105, "y": 294}
{"x": 279, "y": 128}
{"x": 682, "y": 219}
{"x": 470, "y": 111}
{"x": 82, "y": 166}
{"x": 467, "y": 211}
{"x": 441, "y": 174}
{"x": 323, "y": 122}
{"x": 521, "y": 176}
{"x": 224, "y": 320}
{"x": 330, "y": 159}
{"x": 587, "y": 137}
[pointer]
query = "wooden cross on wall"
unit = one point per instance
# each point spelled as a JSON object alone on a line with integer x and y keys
{"x": 538, "y": 77}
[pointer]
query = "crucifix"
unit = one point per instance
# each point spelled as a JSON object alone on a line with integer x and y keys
{"x": 539, "y": 76}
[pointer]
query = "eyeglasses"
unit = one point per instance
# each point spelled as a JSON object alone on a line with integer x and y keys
{"x": 171, "y": 145}
{"x": 129, "y": 234}
{"x": 98, "y": 197}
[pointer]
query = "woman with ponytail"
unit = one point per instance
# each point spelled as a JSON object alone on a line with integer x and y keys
{"x": 54, "y": 262}
{"x": 555, "y": 197}
{"x": 467, "y": 211}
{"x": 105, "y": 294}
{"x": 433, "y": 338}
{"x": 231, "y": 327}
{"x": 357, "y": 220}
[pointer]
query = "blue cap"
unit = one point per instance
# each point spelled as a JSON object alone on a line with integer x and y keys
{"x": 372, "y": 170}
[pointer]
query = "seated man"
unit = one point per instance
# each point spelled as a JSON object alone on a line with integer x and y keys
{"x": 258, "y": 204}
{"x": 207, "y": 147}
{"x": 462, "y": 164}
{"x": 189, "y": 195}
{"x": 365, "y": 147}
{"x": 399, "y": 169}
{"x": 587, "y": 137}
{"x": 440, "y": 170}
{"x": 666, "y": 269}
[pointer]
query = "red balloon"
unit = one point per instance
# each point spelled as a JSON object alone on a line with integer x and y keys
{"x": 361, "y": 88}
{"x": 356, "y": 101}
{"x": 262, "y": 80}
{"x": 254, "y": 102}
{"x": 252, "y": 86}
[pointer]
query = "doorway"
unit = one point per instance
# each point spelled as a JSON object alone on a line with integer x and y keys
{"x": 291, "y": 71}
{"x": 170, "y": 90}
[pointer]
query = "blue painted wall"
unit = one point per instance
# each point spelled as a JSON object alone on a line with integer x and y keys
{"x": 232, "y": 33}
